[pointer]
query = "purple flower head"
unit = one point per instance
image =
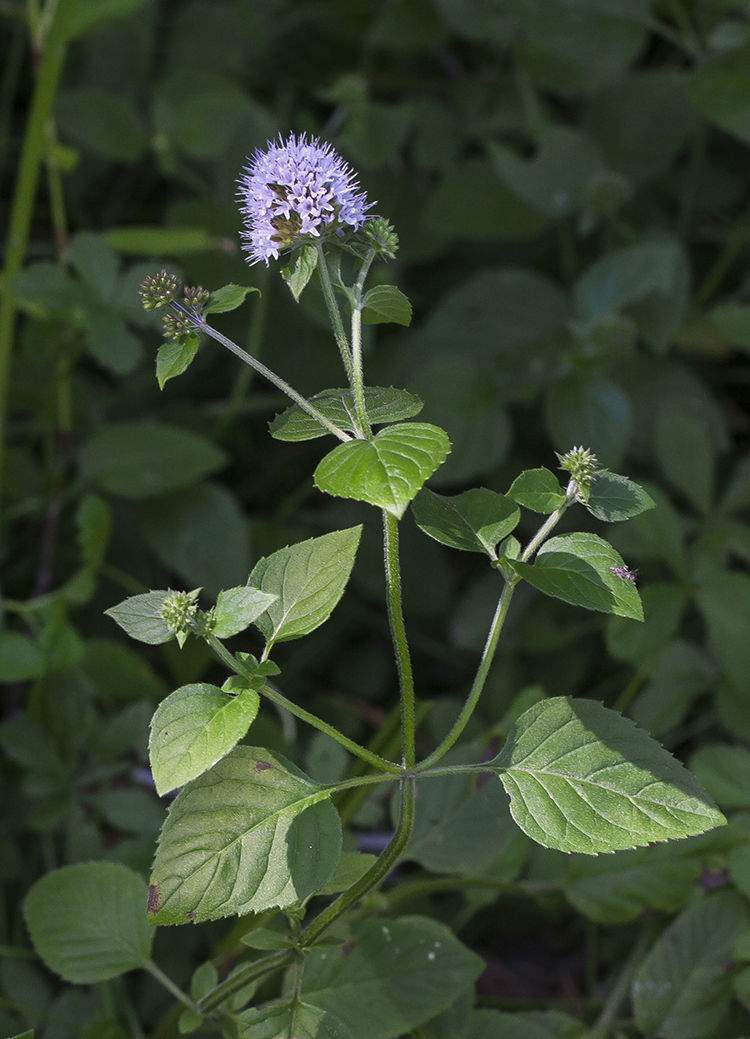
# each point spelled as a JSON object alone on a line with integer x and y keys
{"x": 293, "y": 190}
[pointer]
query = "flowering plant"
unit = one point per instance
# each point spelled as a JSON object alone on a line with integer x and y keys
{"x": 250, "y": 835}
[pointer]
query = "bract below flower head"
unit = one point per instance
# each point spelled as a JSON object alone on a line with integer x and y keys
{"x": 296, "y": 189}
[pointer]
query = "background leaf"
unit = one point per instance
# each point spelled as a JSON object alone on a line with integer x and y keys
{"x": 381, "y": 405}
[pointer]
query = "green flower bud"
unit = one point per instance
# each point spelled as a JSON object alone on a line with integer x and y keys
{"x": 178, "y": 612}
{"x": 582, "y": 465}
{"x": 381, "y": 235}
{"x": 157, "y": 290}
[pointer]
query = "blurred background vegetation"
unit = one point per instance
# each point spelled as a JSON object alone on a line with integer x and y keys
{"x": 570, "y": 183}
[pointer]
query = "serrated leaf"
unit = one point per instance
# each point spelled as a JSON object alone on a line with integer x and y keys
{"x": 281, "y": 1022}
{"x": 228, "y": 297}
{"x": 474, "y": 521}
{"x": 387, "y": 471}
{"x": 308, "y": 579}
{"x": 385, "y": 303}
{"x": 583, "y": 778}
{"x": 683, "y": 988}
{"x": 297, "y": 276}
{"x": 195, "y": 727}
{"x": 140, "y": 616}
{"x": 538, "y": 490}
{"x": 583, "y": 570}
{"x": 238, "y": 607}
{"x": 391, "y": 976}
{"x": 614, "y": 498}
{"x": 88, "y": 921}
{"x": 251, "y": 834}
{"x": 381, "y": 404}
{"x": 173, "y": 358}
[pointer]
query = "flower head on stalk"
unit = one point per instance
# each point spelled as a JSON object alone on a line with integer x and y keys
{"x": 296, "y": 190}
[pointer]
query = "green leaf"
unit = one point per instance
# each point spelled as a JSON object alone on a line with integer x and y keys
{"x": 102, "y": 122}
{"x": 227, "y": 298}
{"x": 20, "y": 658}
{"x": 193, "y": 729}
{"x": 352, "y": 866}
{"x": 724, "y": 601}
{"x": 686, "y": 452}
{"x": 474, "y": 521}
{"x": 639, "y": 642}
{"x": 384, "y": 303}
{"x": 538, "y": 490}
{"x": 144, "y": 458}
{"x": 96, "y": 262}
{"x": 682, "y": 989}
{"x": 614, "y": 498}
{"x": 88, "y": 13}
{"x": 532, "y": 1024}
{"x": 387, "y": 471}
{"x": 297, "y": 277}
{"x": 88, "y": 921}
{"x": 720, "y": 90}
{"x": 160, "y": 241}
{"x": 583, "y": 778}
{"x": 281, "y": 1022}
{"x": 94, "y": 525}
{"x": 391, "y": 976}
{"x": 252, "y": 834}
{"x": 239, "y": 607}
{"x": 140, "y": 616}
{"x": 581, "y": 569}
{"x": 308, "y": 580}
{"x": 588, "y": 409}
{"x": 111, "y": 343}
{"x": 174, "y": 357}
{"x": 381, "y": 404}
{"x": 679, "y": 676}
{"x": 724, "y": 771}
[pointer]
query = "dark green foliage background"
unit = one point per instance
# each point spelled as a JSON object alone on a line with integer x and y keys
{"x": 569, "y": 180}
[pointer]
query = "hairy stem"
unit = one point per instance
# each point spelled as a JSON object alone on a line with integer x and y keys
{"x": 242, "y": 977}
{"x": 358, "y": 374}
{"x": 167, "y": 983}
{"x": 299, "y": 712}
{"x": 334, "y": 314}
{"x": 400, "y": 645}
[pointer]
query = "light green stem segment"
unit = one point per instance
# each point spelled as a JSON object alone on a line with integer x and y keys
{"x": 358, "y": 376}
{"x": 377, "y": 872}
{"x": 169, "y": 985}
{"x": 276, "y": 380}
{"x": 299, "y": 712}
{"x": 240, "y": 978}
{"x": 334, "y": 313}
{"x": 493, "y": 637}
{"x": 400, "y": 645}
{"x": 32, "y": 152}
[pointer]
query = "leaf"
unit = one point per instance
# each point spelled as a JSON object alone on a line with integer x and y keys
{"x": 195, "y": 727}
{"x": 583, "y": 778}
{"x": 640, "y": 642}
{"x": 88, "y": 13}
{"x": 589, "y": 409}
{"x": 391, "y": 976}
{"x": 719, "y": 90}
{"x": 239, "y": 607}
{"x": 297, "y": 277}
{"x": 381, "y": 405}
{"x": 538, "y": 490}
{"x": 102, "y": 122}
{"x": 352, "y": 866}
{"x": 140, "y": 616}
{"x": 174, "y": 357}
{"x": 20, "y": 658}
{"x": 724, "y": 601}
{"x": 614, "y": 498}
{"x": 686, "y": 452}
{"x": 682, "y": 989}
{"x": 387, "y": 471}
{"x": 88, "y": 921}
{"x": 533, "y": 1024}
{"x": 308, "y": 580}
{"x": 252, "y": 834}
{"x": 581, "y": 569}
{"x": 279, "y": 1022}
{"x": 475, "y": 521}
{"x": 384, "y": 303}
{"x": 144, "y": 458}
{"x": 96, "y": 262}
{"x": 724, "y": 771}
{"x": 227, "y": 298}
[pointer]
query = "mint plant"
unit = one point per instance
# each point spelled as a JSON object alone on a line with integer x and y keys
{"x": 250, "y": 835}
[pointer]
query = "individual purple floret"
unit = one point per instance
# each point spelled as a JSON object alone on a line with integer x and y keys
{"x": 295, "y": 189}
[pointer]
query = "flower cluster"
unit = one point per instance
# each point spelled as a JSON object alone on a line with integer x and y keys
{"x": 295, "y": 190}
{"x": 583, "y": 466}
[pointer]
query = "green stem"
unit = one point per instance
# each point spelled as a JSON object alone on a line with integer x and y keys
{"x": 358, "y": 375}
{"x": 374, "y": 875}
{"x": 242, "y": 977}
{"x": 299, "y": 712}
{"x": 170, "y": 986}
{"x": 400, "y": 645}
{"x": 275, "y": 379}
{"x": 22, "y": 206}
{"x": 334, "y": 313}
{"x": 619, "y": 993}
{"x": 490, "y": 645}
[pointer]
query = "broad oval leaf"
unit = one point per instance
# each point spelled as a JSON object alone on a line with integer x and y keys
{"x": 538, "y": 490}
{"x": 387, "y": 471}
{"x": 683, "y": 988}
{"x": 382, "y": 404}
{"x": 583, "y": 778}
{"x": 308, "y": 579}
{"x": 140, "y": 616}
{"x": 228, "y": 297}
{"x": 285, "y": 1022}
{"x": 193, "y": 729}
{"x": 583, "y": 570}
{"x": 474, "y": 521}
{"x": 251, "y": 834}
{"x": 88, "y": 921}
{"x": 385, "y": 303}
{"x": 614, "y": 498}
{"x": 238, "y": 607}
{"x": 391, "y": 976}
{"x": 20, "y": 658}
{"x": 173, "y": 358}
